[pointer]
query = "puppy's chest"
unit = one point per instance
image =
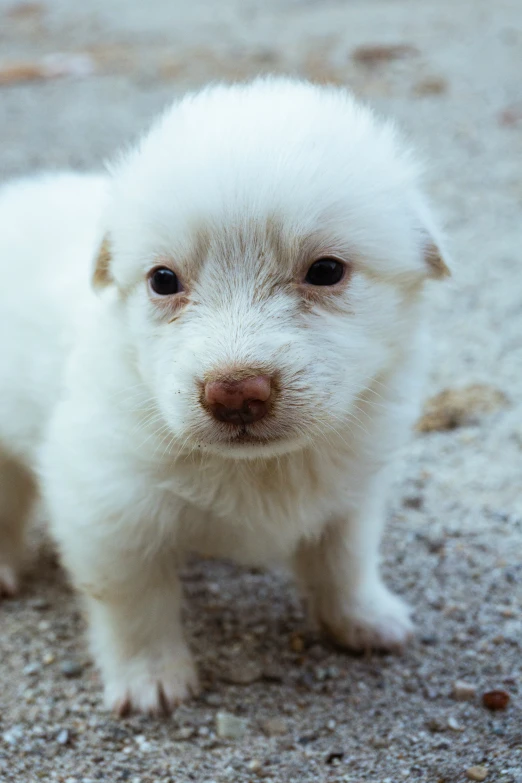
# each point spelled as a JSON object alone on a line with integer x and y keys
{"x": 257, "y": 512}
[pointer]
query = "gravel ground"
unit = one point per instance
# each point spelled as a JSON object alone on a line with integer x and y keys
{"x": 453, "y": 548}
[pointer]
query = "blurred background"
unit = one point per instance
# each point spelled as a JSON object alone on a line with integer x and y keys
{"x": 78, "y": 80}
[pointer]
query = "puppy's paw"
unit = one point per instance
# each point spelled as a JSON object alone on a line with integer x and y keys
{"x": 9, "y": 580}
{"x": 378, "y": 620}
{"x": 152, "y": 686}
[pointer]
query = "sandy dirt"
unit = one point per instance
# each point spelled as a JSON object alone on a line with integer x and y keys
{"x": 450, "y": 72}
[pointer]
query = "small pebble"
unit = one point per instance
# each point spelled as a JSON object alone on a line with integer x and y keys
{"x": 317, "y": 652}
{"x": 48, "y": 658}
{"x": 454, "y": 725}
{"x": 297, "y": 643}
{"x": 40, "y": 604}
{"x": 434, "y": 544}
{"x": 306, "y": 739}
{"x": 429, "y": 639}
{"x": 12, "y": 736}
{"x": 335, "y": 757}
{"x": 213, "y": 699}
{"x": 254, "y": 766}
{"x": 70, "y": 668}
{"x": 63, "y": 737}
{"x": 272, "y": 672}
{"x": 184, "y": 733}
{"x": 477, "y": 773}
{"x": 306, "y": 680}
{"x": 463, "y": 691}
{"x": 31, "y": 668}
{"x": 436, "y": 725}
{"x": 274, "y": 726}
{"x": 29, "y": 695}
{"x": 495, "y": 700}
{"x": 229, "y": 726}
{"x": 415, "y": 502}
{"x": 243, "y": 675}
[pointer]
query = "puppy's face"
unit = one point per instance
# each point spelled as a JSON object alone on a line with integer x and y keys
{"x": 269, "y": 245}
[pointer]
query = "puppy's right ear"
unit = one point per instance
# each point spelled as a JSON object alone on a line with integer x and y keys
{"x": 102, "y": 275}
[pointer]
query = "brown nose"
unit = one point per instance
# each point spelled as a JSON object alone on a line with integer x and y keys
{"x": 239, "y": 401}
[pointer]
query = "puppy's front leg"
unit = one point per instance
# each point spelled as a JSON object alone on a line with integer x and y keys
{"x": 137, "y": 637}
{"x": 17, "y": 493}
{"x": 340, "y": 575}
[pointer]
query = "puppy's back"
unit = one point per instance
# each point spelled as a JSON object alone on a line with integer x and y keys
{"x": 50, "y": 228}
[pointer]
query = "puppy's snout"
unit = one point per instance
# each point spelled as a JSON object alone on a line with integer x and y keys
{"x": 239, "y": 401}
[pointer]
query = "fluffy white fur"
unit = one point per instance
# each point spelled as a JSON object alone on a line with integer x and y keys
{"x": 239, "y": 189}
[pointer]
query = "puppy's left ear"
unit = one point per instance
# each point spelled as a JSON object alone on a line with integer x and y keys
{"x": 435, "y": 260}
{"x": 434, "y": 252}
{"x": 102, "y": 274}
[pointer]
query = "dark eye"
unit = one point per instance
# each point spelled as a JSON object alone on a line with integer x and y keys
{"x": 164, "y": 282}
{"x": 325, "y": 271}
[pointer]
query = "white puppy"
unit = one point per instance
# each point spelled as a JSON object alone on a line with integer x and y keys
{"x": 236, "y": 379}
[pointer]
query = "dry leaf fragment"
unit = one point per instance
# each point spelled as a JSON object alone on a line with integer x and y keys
{"x": 431, "y": 85}
{"x": 50, "y": 67}
{"x": 511, "y": 116}
{"x": 454, "y": 408}
{"x": 25, "y": 10}
{"x": 377, "y": 54}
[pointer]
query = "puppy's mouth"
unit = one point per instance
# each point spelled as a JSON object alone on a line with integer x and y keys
{"x": 249, "y": 440}
{"x": 245, "y": 435}
{"x": 261, "y": 433}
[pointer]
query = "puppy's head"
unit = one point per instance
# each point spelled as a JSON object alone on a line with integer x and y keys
{"x": 269, "y": 243}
